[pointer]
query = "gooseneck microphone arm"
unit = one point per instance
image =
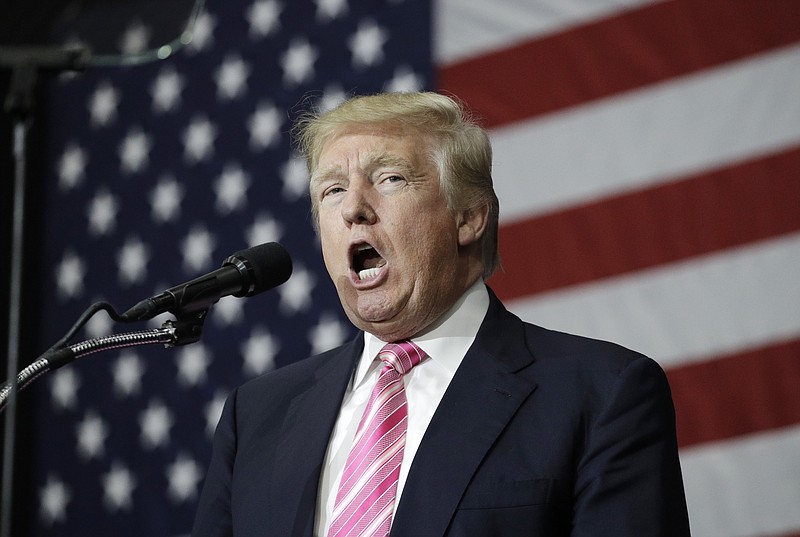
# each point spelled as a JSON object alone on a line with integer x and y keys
{"x": 186, "y": 328}
{"x": 55, "y": 358}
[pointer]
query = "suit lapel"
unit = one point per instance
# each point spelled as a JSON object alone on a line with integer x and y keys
{"x": 304, "y": 439}
{"x": 479, "y": 403}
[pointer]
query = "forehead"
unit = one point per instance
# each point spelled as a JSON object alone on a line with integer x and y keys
{"x": 370, "y": 145}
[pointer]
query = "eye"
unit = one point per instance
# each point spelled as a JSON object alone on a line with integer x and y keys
{"x": 392, "y": 180}
{"x": 331, "y": 191}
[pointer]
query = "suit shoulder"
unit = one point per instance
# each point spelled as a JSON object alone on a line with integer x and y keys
{"x": 503, "y": 333}
{"x": 596, "y": 372}
{"x": 563, "y": 349}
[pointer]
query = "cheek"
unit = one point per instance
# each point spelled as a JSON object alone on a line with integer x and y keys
{"x": 330, "y": 247}
{"x": 437, "y": 236}
{"x": 431, "y": 255}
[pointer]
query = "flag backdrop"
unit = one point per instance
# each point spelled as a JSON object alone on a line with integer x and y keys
{"x": 647, "y": 160}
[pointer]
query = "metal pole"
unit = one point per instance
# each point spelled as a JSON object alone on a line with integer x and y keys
{"x": 14, "y": 314}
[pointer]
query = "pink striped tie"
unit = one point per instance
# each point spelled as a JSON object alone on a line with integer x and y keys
{"x": 366, "y": 496}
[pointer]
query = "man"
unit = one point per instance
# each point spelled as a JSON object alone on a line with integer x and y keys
{"x": 502, "y": 427}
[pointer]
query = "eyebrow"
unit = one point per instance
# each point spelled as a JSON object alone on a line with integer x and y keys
{"x": 392, "y": 161}
{"x": 321, "y": 175}
{"x": 373, "y": 160}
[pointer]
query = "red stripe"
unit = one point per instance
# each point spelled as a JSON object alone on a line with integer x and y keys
{"x": 701, "y": 214}
{"x": 637, "y": 48}
{"x": 737, "y": 394}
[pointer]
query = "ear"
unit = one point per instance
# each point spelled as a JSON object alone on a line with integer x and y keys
{"x": 472, "y": 224}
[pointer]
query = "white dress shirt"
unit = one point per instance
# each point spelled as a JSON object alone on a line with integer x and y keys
{"x": 446, "y": 344}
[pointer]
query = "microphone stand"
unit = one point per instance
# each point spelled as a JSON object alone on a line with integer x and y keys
{"x": 25, "y": 63}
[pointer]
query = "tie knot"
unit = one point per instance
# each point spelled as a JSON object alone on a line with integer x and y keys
{"x": 401, "y": 356}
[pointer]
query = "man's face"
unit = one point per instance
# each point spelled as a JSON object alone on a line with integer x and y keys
{"x": 390, "y": 244}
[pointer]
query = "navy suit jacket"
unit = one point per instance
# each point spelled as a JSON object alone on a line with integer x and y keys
{"x": 540, "y": 433}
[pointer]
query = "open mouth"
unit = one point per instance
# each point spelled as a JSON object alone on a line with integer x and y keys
{"x": 366, "y": 261}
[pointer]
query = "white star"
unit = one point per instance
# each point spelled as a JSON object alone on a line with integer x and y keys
{"x": 127, "y": 372}
{"x": 327, "y": 334}
{"x": 264, "y": 229}
{"x": 183, "y": 475}
{"x": 333, "y": 96}
{"x": 92, "y": 433}
{"x": 259, "y": 351}
{"x": 327, "y": 10}
{"x": 295, "y": 178}
{"x": 193, "y": 361}
{"x": 99, "y": 325}
{"x": 197, "y": 248}
{"x": 367, "y": 44}
{"x": 54, "y": 497}
{"x": 296, "y": 293}
{"x": 69, "y": 275}
{"x": 263, "y": 17}
{"x": 231, "y": 78}
{"x": 135, "y": 38}
{"x": 165, "y": 199}
{"x": 118, "y": 485}
{"x": 214, "y": 411}
{"x": 231, "y": 189}
{"x": 298, "y": 62}
{"x": 71, "y": 167}
{"x": 202, "y": 34}
{"x": 264, "y": 126}
{"x": 198, "y": 140}
{"x": 155, "y": 423}
{"x": 166, "y": 90}
{"x": 102, "y": 213}
{"x": 103, "y": 105}
{"x": 133, "y": 151}
{"x": 64, "y": 388}
{"x": 227, "y": 311}
{"x": 404, "y": 80}
{"x": 132, "y": 260}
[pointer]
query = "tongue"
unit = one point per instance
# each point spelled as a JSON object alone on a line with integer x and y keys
{"x": 367, "y": 259}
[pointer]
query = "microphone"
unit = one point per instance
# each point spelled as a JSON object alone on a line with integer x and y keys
{"x": 244, "y": 273}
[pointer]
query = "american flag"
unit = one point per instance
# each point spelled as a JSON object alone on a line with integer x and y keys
{"x": 646, "y": 161}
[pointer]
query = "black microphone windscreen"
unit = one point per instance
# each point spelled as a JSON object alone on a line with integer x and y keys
{"x": 269, "y": 263}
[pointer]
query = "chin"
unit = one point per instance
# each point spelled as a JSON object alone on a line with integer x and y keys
{"x": 384, "y": 330}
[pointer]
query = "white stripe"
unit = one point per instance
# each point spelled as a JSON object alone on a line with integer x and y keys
{"x": 360, "y": 490}
{"x": 389, "y": 392}
{"x": 378, "y": 521}
{"x": 650, "y": 136}
{"x": 368, "y": 473}
{"x": 705, "y": 307}
{"x": 467, "y": 28}
{"x": 744, "y": 487}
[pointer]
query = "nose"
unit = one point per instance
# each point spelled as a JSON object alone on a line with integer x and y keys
{"x": 357, "y": 208}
